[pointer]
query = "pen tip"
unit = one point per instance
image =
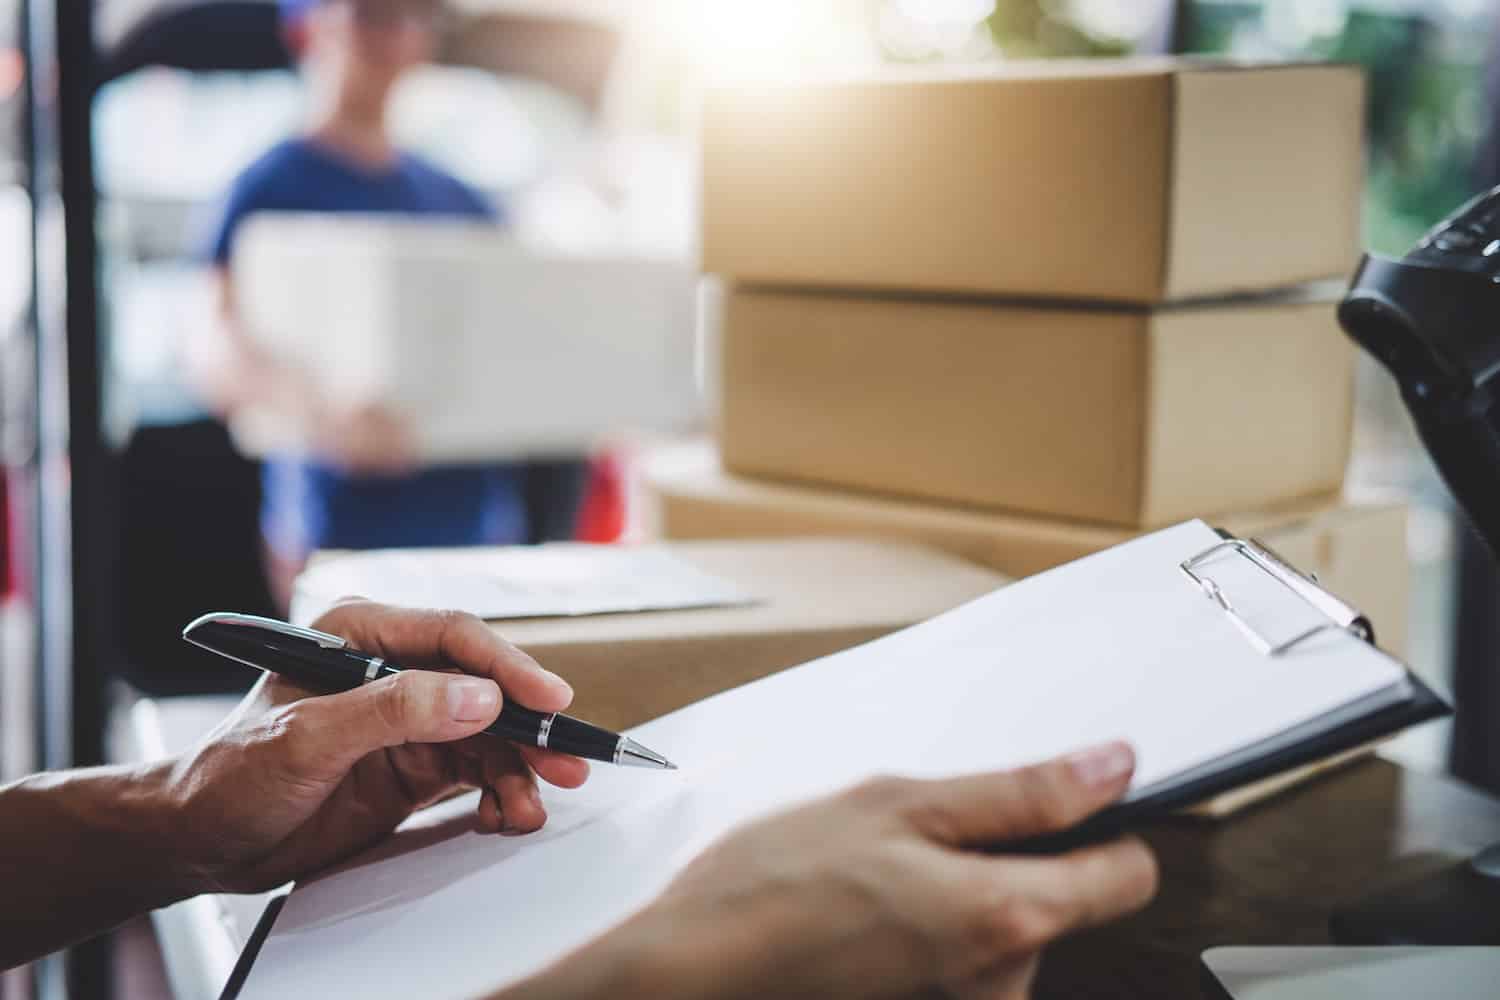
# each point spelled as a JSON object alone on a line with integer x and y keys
{"x": 632, "y": 754}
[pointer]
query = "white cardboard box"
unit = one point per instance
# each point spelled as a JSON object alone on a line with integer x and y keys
{"x": 492, "y": 350}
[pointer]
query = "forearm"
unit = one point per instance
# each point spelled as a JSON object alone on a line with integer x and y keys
{"x": 80, "y": 852}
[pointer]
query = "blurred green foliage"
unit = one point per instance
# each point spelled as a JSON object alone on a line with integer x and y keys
{"x": 1425, "y": 64}
{"x": 1035, "y": 28}
{"x": 1426, "y": 111}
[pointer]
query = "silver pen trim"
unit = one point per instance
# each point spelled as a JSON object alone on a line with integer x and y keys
{"x": 629, "y": 753}
{"x": 373, "y": 670}
{"x": 228, "y": 656}
{"x": 269, "y": 624}
{"x": 544, "y": 731}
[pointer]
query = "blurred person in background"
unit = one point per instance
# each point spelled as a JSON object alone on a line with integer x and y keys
{"x": 362, "y": 488}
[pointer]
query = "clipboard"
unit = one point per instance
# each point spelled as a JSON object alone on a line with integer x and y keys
{"x": 1249, "y": 765}
{"x": 1422, "y": 706}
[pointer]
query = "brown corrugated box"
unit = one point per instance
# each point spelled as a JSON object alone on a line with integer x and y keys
{"x": 813, "y": 597}
{"x": 1122, "y": 180}
{"x": 1357, "y": 550}
{"x": 1131, "y": 417}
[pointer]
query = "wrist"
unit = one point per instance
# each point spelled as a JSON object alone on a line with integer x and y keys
{"x": 80, "y": 852}
{"x": 157, "y": 821}
{"x": 130, "y": 813}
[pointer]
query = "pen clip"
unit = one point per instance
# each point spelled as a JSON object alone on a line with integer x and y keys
{"x": 270, "y": 624}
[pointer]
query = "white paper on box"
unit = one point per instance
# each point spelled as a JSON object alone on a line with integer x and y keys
{"x": 564, "y": 579}
{"x": 491, "y": 350}
{"x": 1117, "y": 645}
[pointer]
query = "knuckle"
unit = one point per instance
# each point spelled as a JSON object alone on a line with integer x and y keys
{"x": 933, "y": 818}
{"x": 1010, "y": 926}
{"x": 452, "y": 623}
{"x": 336, "y": 617}
{"x": 456, "y": 632}
{"x": 1027, "y": 926}
{"x": 452, "y": 617}
{"x": 882, "y": 792}
{"x": 1045, "y": 799}
{"x": 1142, "y": 873}
{"x": 394, "y": 703}
{"x": 291, "y": 729}
{"x": 290, "y": 724}
{"x": 281, "y": 722}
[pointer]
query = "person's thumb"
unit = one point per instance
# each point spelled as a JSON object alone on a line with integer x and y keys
{"x": 327, "y": 735}
{"x": 1040, "y": 799}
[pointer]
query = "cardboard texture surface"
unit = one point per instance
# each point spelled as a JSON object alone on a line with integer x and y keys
{"x": 1133, "y": 417}
{"x": 1115, "y": 180}
{"x": 816, "y": 596}
{"x": 1357, "y": 550}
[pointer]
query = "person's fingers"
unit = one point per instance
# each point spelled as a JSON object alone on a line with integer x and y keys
{"x": 1043, "y": 798}
{"x": 520, "y": 803}
{"x": 509, "y": 802}
{"x": 556, "y": 768}
{"x": 491, "y": 820}
{"x": 553, "y": 767}
{"x": 515, "y": 806}
{"x": 470, "y": 771}
{"x": 323, "y": 737}
{"x": 1018, "y": 905}
{"x": 416, "y": 637}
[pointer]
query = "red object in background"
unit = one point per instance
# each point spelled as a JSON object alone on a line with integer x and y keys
{"x": 10, "y": 572}
{"x": 601, "y": 517}
{"x": 16, "y": 528}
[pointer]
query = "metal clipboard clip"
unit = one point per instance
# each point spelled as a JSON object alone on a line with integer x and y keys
{"x": 1341, "y": 617}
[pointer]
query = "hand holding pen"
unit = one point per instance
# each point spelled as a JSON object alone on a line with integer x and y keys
{"x": 326, "y": 662}
{"x": 347, "y": 768}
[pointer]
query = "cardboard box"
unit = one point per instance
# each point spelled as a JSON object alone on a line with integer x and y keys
{"x": 491, "y": 350}
{"x": 1357, "y": 550}
{"x": 1139, "y": 418}
{"x": 815, "y": 597}
{"x": 1122, "y": 180}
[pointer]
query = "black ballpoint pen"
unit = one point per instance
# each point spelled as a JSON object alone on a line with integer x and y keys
{"x": 326, "y": 662}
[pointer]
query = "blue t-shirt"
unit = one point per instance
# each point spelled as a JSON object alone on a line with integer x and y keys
{"x": 309, "y": 505}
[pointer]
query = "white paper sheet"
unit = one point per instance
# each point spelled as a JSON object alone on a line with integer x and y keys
{"x": 558, "y": 580}
{"x": 1116, "y": 645}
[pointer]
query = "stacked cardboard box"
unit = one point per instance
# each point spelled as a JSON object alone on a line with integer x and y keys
{"x": 1060, "y": 289}
{"x": 812, "y": 597}
{"x": 1029, "y": 312}
{"x": 1357, "y": 550}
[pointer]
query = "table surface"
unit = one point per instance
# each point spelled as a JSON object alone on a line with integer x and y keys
{"x": 1272, "y": 875}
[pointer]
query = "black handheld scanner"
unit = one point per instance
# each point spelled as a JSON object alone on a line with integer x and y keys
{"x": 1433, "y": 319}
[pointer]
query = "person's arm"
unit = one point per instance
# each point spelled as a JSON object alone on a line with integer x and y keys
{"x": 79, "y": 853}
{"x": 879, "y": 891}
{"x": 287, "y": 785}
